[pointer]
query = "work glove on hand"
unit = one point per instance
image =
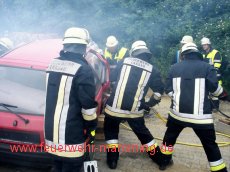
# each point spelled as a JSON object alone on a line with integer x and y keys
{"x": 147, "y": 106}
{"x": 91, "y": 135}
{"x": 90, "y": 127}
{"x": 223, "y": 95}
{"x": 152, "y": 102}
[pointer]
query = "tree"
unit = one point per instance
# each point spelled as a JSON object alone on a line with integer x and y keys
{"x": 161, "y": 24}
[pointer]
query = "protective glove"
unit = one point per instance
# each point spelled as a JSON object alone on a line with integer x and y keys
{"x": 91, "y": 135}
{"x": 152, "y": 102}
{"x": 90, "y": 127}
{"x": 147, "y": 106}
{"x": 223, "y": 95}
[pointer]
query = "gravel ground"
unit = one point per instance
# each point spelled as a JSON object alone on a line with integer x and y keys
{"x": 186, "y": 158}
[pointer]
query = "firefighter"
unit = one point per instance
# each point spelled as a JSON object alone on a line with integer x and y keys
{"x": 113, "y": 54}
{"x": 5, "y": 45}
{"x": 184, "y": 40}
{"x": 70, "y": 104}
{"x": 188, "y": 84}
{"x": 135, "y": 76}
{"x": 213, "y": 57}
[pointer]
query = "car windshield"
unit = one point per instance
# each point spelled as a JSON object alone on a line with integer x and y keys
{"x": 24, "y": 88}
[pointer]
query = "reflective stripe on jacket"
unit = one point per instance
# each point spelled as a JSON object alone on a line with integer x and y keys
{"x": 70, "y": 105}
{"x": 135, "y": 76}
{"x": 189, "y": 84}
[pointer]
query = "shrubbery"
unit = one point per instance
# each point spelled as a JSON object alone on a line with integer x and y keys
{"x": 161, "y": 23}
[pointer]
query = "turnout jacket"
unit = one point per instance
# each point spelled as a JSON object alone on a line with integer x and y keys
{"x": 70, "y": 104}
{"x": 189, "y": 84}
{"x": 134, "y": 77}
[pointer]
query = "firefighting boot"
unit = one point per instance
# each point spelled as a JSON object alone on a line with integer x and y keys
{"x": 155, "y": 155}
{"x": 166, "y": 161}
{"x": 112, "y": 157}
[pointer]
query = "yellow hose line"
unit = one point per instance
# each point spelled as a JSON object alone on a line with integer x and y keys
{"x": 220, "y": 144}
{"x": 222, "y": 134}
{"x": 164, "y": 120}
{"x": 160, "y": 117}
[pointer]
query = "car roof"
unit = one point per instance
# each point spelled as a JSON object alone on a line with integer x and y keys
{"x": 36, "y": 55}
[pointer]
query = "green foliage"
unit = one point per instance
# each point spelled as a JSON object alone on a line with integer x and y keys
{"x": 161, "y": 23}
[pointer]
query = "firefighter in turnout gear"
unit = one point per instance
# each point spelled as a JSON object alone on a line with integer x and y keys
{"x": 214, "y": 58}
{"x": 135, "y": 76}
{"x": 113, "y": 54}
{"x": 186, "y": 39}
{"x": 70, "y": 104}
{"x": 189, "y": 84}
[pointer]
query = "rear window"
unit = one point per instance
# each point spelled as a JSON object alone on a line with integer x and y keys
{"x": 24, "y": 88}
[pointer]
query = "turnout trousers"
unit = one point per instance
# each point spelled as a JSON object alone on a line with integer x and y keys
{"x": 207, "y": 138}
{"x": 111, "y": 130}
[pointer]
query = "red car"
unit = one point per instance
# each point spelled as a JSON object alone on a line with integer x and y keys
{"x": 22, "y": 97}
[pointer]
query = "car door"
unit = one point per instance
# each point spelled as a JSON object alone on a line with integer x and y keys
{"x": 101, "y": 75}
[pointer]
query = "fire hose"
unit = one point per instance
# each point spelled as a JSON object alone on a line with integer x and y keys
{"x": 220, "y": 144}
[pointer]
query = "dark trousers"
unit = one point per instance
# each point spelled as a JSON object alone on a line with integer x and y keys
{"x": 215, "y": 103}
{"x": 111, "y": 129}
{"x": 206, "y": 136}
{"x": 67, "y": 165}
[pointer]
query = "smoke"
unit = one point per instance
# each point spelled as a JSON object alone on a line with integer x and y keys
{"x": 159, "y": 23}
{"x": 55, "y": 16}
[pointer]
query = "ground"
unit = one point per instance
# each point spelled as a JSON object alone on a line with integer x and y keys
{"x": 186, "y": 158}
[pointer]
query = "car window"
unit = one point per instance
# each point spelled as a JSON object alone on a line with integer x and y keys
{"x": 24, "y": 88}
{"x": 98, "y": 67}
